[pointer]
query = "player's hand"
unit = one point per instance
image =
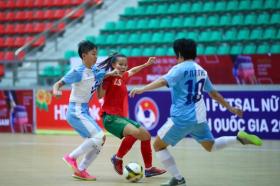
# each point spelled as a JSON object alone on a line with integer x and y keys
{"x": 236, "y": 111}
{"x": 114, "y": 72}
{"x": 151, "y": 61}
{"x": 135, "y": 91}
{"x": 57, "y": 93}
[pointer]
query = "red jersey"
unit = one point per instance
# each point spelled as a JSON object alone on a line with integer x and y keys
{"x": 116, "y": 96}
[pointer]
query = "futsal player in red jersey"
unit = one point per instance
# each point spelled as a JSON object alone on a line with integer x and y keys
{"x": 114, "y": 113}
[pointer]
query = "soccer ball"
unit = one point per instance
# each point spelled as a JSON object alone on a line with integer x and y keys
{"x": 133, "y": 172}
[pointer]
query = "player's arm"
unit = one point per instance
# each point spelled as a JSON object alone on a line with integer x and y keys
{"x": 136, "y": 69}
{"x": 220, "y": 99}
{"x": 100, "y": 92}
{"x": 56, "y": 88}
{"x": 161, "y": 82}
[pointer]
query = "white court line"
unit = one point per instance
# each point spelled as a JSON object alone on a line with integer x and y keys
{"x": 256, "y": 149}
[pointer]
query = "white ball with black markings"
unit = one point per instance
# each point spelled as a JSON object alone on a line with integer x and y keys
{"x": 133, "y": 172}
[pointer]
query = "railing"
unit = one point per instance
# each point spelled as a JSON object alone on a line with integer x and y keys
{"x": 33, "y": 72}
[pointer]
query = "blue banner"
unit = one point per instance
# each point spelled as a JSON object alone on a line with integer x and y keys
{"x": 261, "y": 112}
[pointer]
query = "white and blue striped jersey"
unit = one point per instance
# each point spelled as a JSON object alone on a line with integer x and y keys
{"x": 187, "y": 81}
{"x": 83, "y": 84}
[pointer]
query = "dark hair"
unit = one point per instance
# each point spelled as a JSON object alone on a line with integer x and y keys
{"x": 85, "y": 47}
{"x": 185, "y": 48}
{"x": 107, "y": 64}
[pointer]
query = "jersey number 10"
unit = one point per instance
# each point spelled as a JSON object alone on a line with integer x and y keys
{"x": 196, "y": 95}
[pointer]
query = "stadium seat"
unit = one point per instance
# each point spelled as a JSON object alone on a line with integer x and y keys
{"x": 157, "y": 37}
{"x": 165, "y": 23}
{"x": 133, "y": 38}
{"x": 243, "y": 34}
{"x": 232, "y": 6}
{"x": 230, "y": 35}
{"x": 263, "y": 49}
{"x": 110, "y": 26}
{"x": 189, "y": 21}
{"x": 151, "y": 9}
{"x": 90, "y": 38}
{"x": 125, "y": 51}
{"x": 220, "y": 6}
{"x": 145, "y": 37}
{"x": 236, "y": 49}
{"x": 263, "y": 19}
{"x": 223, "y": 49}
{"x": 196, "y": 7}
{"x": 269, "y": 33}
{"x": 160, "y": 51}
{"x": 122, "y": 39}
{"x": 185, "y": 7}
{"x": 225, "y": 20}
{"x": 168, "y": 37}
{"x": 256, "y": 5}
{"x": 237, "y": 20}
{"x": 177, "y": 22}
{"x": 200, "y": 49}
{"x": 256, "y": 34}
{"x": 249, "y": 49}
{"x": 210, "y": 50}
{"x": 275, "y": 48}
{"x": 208, "y": 7}
{"x": 148, "y": 51}
{"x": 275, "y": 18}
{"x": 250, "y": 19}
{"x": 200, "y": 21}
{"x": 129, "y": 11}
{"x": 136, "y": 52}
{"x": 162, "y": 9}
{"x": 173, "y": 8}
{"x": 131, "y": 25}
{"x": 244, "y": 5}
{"x": 213, "y": 20}
{"x": 142, "y": 24}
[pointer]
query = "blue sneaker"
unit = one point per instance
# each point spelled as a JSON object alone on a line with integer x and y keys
{"x": 118, "y": 165}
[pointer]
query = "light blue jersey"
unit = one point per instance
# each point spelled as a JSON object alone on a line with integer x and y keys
{"x": 187, "y": 81}
{"x": 84, "y": 82}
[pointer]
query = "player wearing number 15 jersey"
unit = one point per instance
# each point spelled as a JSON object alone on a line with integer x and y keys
{"x": 187, "y": 80}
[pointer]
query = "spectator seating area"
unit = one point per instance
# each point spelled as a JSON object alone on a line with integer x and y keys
{"x": 21, "y": 21}
{"x": 220, "y": 27}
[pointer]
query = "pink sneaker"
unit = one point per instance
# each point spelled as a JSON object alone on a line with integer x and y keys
{"x": 84, "y": 175}
{"x": 71, "y": 162}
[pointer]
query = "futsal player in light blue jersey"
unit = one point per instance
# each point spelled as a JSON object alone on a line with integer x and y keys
{"x": 84, "y": 80}
{"x": 187, "y": 81}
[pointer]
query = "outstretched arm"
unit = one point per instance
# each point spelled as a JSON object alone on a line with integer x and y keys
{"x": 219, "y": 98}
{"x": 154, "y": 85}
{"x": 56, "y": 88}
{"x": 136, "y": 69}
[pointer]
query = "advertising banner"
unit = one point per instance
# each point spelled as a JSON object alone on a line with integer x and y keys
{"x": 16, "y": 111}
{"x": 224, "y": 69}
{"x": 51, "y": 111}
{"x": 261, "y": 112}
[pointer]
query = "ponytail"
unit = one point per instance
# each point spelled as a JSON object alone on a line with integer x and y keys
{"x": 107, "y": 63}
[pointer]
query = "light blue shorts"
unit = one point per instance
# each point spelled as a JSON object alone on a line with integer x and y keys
{"x": 171, "y": 133}
{"x": 79, "y": 118}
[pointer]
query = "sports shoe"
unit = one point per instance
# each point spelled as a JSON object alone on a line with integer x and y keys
{"x": 246, "y": 138}
{"x": 71, "y": 162}
{"x": 84, "y": 175}
{"x": 118, "y": 164}
{"x": 175, "y": 182}
{"x": 154, "y": 172}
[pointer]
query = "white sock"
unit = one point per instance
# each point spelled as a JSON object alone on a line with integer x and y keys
{"x": 88, "y": 159}
{"x": 169, "y": 163}
{"x": 86, "y": 146}
{"x": 223, "y": 142}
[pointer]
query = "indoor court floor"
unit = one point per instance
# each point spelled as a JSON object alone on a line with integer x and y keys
{"x": 36, "y": 160}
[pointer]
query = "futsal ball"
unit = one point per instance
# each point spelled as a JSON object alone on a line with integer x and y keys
{"x": 133, "y": 172}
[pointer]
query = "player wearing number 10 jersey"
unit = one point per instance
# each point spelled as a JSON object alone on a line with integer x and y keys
{"x": 187, "y": 80}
